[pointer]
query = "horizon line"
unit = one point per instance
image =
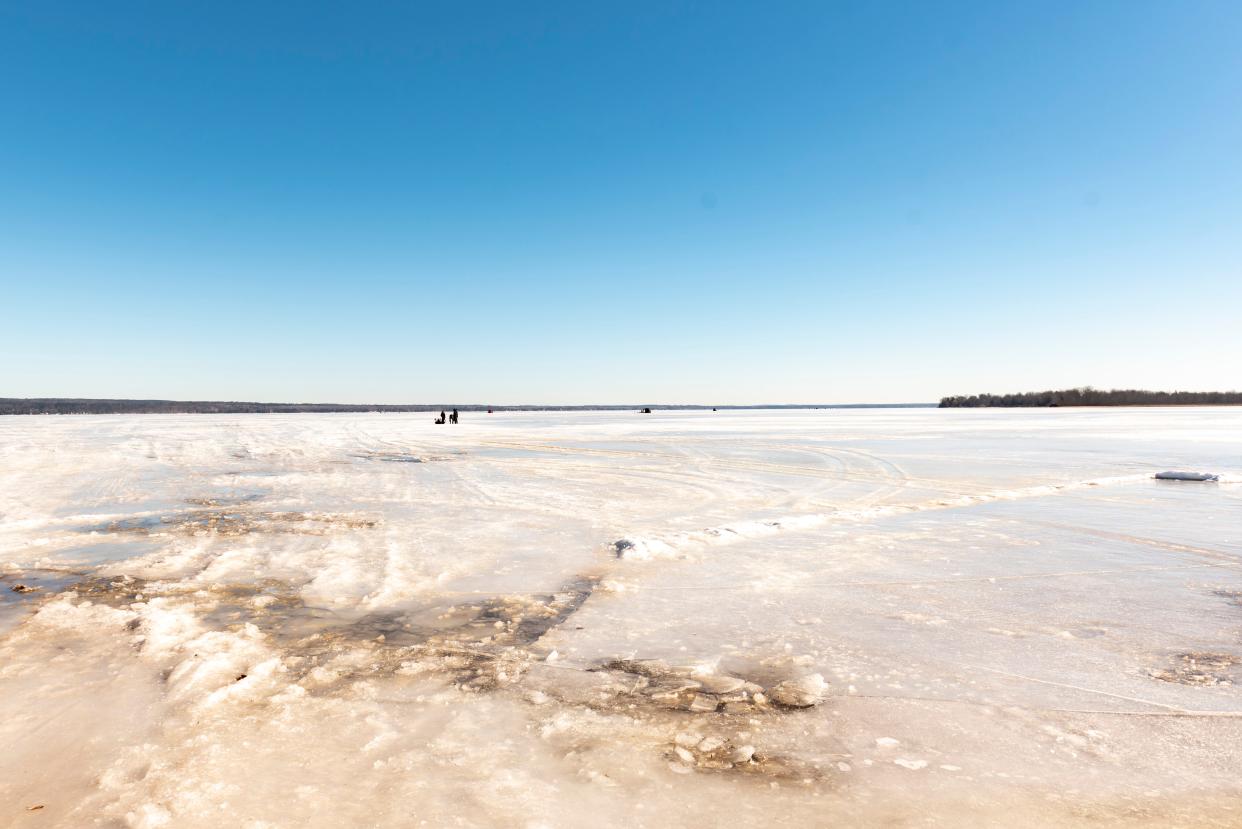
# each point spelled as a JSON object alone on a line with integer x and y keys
{"x": 446, "y": 405}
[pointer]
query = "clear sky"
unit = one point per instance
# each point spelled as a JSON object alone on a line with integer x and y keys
{"x": 618, "y": 202}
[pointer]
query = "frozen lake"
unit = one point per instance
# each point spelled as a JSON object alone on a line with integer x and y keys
{"x": 898, "y": 617}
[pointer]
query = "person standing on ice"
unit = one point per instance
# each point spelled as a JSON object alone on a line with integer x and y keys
{"x": 442, "y": 419}
{"x": 454, "y": 420}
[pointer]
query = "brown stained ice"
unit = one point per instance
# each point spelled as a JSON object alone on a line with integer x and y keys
{"x": 687, "y": 690}
{"x": 484, "y": 646}
{"x": 226, "y": 521}
{"x": 1205, "y": 669}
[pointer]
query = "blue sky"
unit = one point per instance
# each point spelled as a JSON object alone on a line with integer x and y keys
{"x": 618, "y": 202}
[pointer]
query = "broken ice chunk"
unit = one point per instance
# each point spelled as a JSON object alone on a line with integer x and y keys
{"x": 800, "y": 693}
{"x": 1186, "y": 476}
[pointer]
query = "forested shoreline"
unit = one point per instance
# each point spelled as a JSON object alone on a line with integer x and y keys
{"x": 1088, "y": 396}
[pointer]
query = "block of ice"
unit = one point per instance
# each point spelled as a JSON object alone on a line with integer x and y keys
{"x": 1186, "y": 476}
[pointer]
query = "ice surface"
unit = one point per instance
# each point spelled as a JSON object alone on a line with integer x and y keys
{"x": 873, "y": 617}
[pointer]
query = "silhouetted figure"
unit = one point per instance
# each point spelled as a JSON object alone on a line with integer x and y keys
{"x": 441, "y": 420}
{"x": 454, "y": 417}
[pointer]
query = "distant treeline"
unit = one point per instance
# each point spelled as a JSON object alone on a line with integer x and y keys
{"x": 70, "y": 405}
{"x": 1088, "y": 396}
{"x": 73, "y": 405}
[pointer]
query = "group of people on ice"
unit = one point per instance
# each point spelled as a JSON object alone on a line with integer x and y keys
{"x": 451, "y": 418}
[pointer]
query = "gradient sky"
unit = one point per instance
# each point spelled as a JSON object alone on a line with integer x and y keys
{"x": 618, "y": 202}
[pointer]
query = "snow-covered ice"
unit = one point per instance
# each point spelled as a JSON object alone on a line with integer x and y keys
{"x": 801, "y": 618}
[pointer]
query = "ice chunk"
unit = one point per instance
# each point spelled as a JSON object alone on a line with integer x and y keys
{"x": 1186, "y": 476}
{"x": 801, "y": 693}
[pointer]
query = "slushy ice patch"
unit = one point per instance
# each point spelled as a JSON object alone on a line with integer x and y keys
{"x": 400, "y": 457}
{"x": 1233, "y": 596}
{"x": 259, "y": 643}
{"x": 1196, "y": 668}
{"x": 21, "y": 591}
{"x": 700, "y": 692}
{"x": 232, "y": 522}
